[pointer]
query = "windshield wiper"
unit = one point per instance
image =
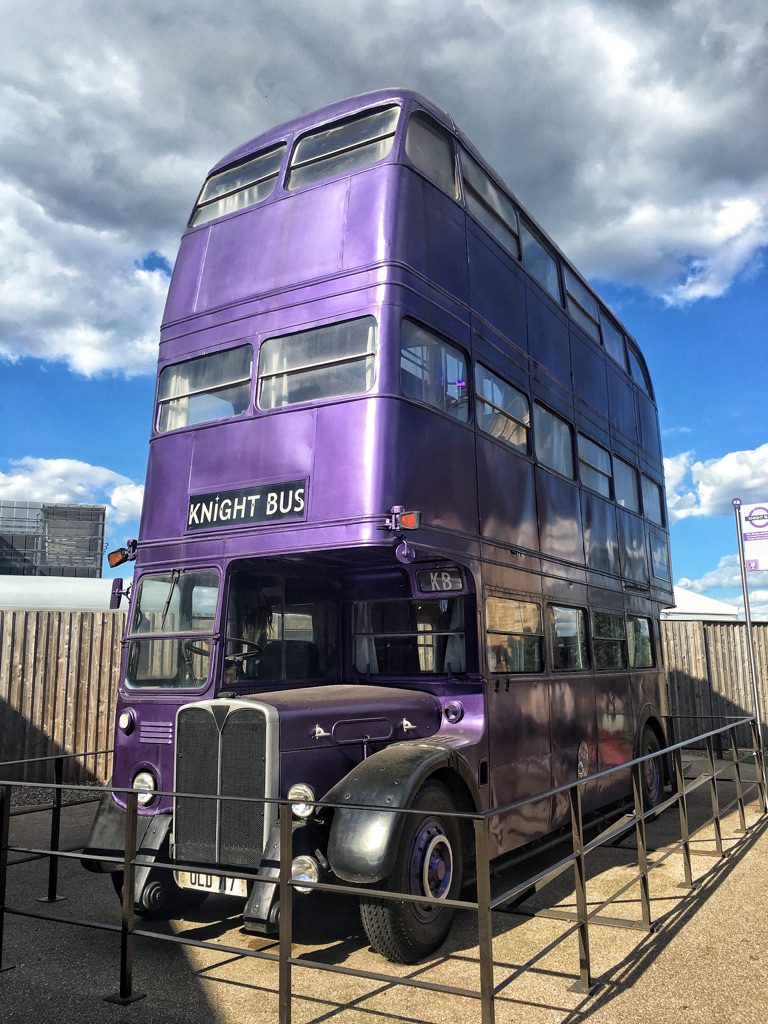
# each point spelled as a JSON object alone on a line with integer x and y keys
{"x": 174, "y": 580}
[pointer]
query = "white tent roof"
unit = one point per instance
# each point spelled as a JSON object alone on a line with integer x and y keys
{"x": 55, "y": 593}
{"x": 689, "y": 605}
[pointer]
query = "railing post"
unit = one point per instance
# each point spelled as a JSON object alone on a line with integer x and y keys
{"x": 484, "y": 921}
{"x": 286, "y": 914}
{"x": 584, "y": 984}
{"x": 759, "y": 765}
{"x": 642, "y": 847}
{"x": 714, "y": 797}
{"x": 737, "y": 779}
{"x": 682, "y": 806}
{"x": 53, "y": 860}
{"x": 5, "y": 823}
{"x": 126, "y": 994}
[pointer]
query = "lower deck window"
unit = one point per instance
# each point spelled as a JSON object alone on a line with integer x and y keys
{"x": 568, "y": 639}
{"x": 609, "y": 641}
{"x": 409, "y": 637}
{"x": 514, "y": 638}
{"x": 639, "y": 642}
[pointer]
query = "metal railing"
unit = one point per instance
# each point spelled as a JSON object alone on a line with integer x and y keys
{"x": 483, "y": 905}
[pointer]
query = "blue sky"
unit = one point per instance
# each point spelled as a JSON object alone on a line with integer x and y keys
{"x": 634, "y": 131}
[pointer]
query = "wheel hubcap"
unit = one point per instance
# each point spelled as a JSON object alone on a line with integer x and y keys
{"x": 431, "y": 867}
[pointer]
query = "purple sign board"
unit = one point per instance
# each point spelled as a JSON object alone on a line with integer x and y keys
{"x": 754, "y": 527}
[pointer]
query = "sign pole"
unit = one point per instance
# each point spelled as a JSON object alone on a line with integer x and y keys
{"x": 748, "y": 618}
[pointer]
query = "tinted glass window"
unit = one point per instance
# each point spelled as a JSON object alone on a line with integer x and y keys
{"x": 613, "y": 340}
{"x": 582, "y": 304}
{"x": 490, "y": 205}
{"x": 552, "y": 438}
{"x": 343, "y": 147}
{"x": 322, "y": 363}
{"x": 652, "y": 506}
{"x": 625, "y": 485}
{"x": 637, "y": 369}
{"x": 595, "y": 466}
{"x": 237, "y": 187}
{"x": 409, "y": 637}
{"x": 660, "y": 558}
{"x": 609, "y": 641}
{"x": 430, "y": 149}
{"x": 209, "y": 388}
{"x": 540, "y": 263}
{"x": 501, "y": 410}
{"x": 433, "y": 371}
{"x": 514, "y": 638}
{"x": 640, "y": 643}
{"x": 568, "y": 639}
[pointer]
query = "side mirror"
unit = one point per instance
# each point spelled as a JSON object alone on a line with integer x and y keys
{"x": 117, "y": 593}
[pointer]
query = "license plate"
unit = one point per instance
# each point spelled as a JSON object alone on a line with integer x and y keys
{"x": 212, "y": 883}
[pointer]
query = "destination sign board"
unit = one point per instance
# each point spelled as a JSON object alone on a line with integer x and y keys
{"x": 439, "y": 581}
{"x": 754, "y": 530}
{"x": 269, "y": 503}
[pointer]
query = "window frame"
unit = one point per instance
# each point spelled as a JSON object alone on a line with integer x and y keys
{"x": 493, "y": 221}
{"x": 634, "y": 476}
{"x": 520, "y": 635}
{"x": 420, "y": 117}
{"x": 461, "y": 402}
{"x": 202, "y": 203}
{"x": 592, "y": 469}
{"x": 631, "y": 643}
{"x": 602, "y": 642}
{"x": 167, "y": 402}
{"x": 295, "y": 165}
{"x": 537, "y": 433}
{"x": 582, "y": 638}
{"x": 307, "y": 367}
{"x": 534, "y": 236}
{"x": 577, "y": 298}
{"x": 499, "y": 410}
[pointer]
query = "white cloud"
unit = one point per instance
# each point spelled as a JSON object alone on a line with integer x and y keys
{"x": 726, "y": 575}
{"x": 707, "y": 488}
{"x": 634, "y": 131}
{"x": 70, "y": 481}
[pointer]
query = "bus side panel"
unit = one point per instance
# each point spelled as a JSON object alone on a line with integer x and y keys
{"x": 572, "y": 709}
{"x": 518, "y": 720}
{"x": 560, "y": 526}
{"x": 615, "y": 732}
{"x": 497, "y": 288}
{"x": 507, "y": 495}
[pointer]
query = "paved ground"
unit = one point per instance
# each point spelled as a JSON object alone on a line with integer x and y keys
{"x": 707, "y": 961}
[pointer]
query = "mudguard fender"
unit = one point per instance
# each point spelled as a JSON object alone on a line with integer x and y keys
{"x": 107, "y": 839}
{"x": 363, "y": 843}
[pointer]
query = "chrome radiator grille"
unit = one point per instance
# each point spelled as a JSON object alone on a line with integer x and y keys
{"x": 221, "y": 750}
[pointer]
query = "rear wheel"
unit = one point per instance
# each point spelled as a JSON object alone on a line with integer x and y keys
{"x": 429, "y": 862}
{"x": 651, "y": 772}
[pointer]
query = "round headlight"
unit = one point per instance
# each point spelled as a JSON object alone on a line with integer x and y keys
{"x": 145, "y": 781}
{"x": 127, "y": 721}
{"x": 302, "y": 799}
{"x": 304, "y": 869}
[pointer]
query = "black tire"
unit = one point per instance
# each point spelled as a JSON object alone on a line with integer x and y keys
{"x": 651, "y": 772}
{"x": 429, "y": 860}
{"x": 161, "y": 897}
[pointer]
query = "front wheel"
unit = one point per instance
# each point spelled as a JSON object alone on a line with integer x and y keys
{"x": 161, "y": 896}
{"x": 429, "y": 862}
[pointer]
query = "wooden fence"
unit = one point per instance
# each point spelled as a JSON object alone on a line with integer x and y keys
{"x": 58, "y": 683}
{"x": 59, "y": 675}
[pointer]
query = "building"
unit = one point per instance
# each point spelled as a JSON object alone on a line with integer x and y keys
{"x": 50, "y": 539}
{"x": 692, "y": 606}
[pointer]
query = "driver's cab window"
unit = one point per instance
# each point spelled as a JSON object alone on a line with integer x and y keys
{"x": 279, "y": 630}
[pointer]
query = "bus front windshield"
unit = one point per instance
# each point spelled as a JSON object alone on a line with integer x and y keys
{"x": 280, "y": 629}
{"x": 169, "y": 644}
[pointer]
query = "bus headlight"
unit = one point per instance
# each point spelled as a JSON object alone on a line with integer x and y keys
{"x": 302, "y": 799}
{"x": 145, "y": 781}
{"x": 127, "y": 721}
{"x": 304, "y": 869}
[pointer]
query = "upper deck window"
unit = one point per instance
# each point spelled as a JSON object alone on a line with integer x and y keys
{"x": 204, "y": 389}
{"x": 489, "y": 205}
{"x": 554, "y": 444}
{"x": 652, "y": 506}
{"x": 325, "y": 362}
{"x": 343, "y": 147}
{"x": 625, "y": 484}
{"x": 582, "y": 305}
{"x": 433, "y": 371}
{"x": 501, "y": 410}
{"x": 237, "y": 187}
{"x": 595, "y": 466}
{"x": 430, "y": 149}
{"x": 613, "y": 340}
{"x": 637, "y": 369}
{"x": 540, "y": 263}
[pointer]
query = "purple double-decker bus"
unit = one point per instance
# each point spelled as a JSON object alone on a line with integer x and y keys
{"x": 404, "y": 537}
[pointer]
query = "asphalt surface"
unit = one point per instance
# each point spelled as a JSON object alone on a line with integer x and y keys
{"x": 706, "y": 960}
